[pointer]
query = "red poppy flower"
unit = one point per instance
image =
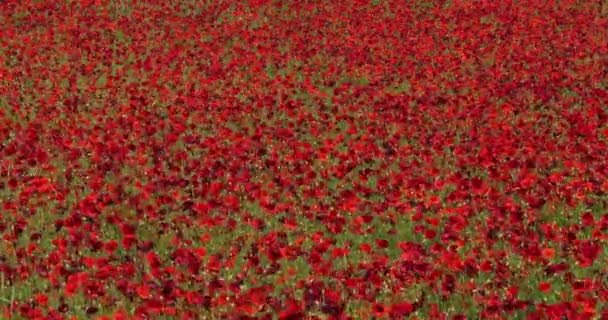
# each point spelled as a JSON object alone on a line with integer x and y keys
{"x": 544, "y": 286}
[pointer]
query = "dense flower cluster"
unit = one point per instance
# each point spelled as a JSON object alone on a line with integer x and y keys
{"x": 431, "y": 159}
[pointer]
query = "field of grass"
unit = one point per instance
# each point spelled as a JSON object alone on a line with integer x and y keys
{"x": 270, "y": 159}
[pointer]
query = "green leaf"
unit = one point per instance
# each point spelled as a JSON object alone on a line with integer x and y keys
{"x": 101, "y": 81}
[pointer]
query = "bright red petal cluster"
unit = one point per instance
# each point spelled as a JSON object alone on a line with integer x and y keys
{"x": 310, "y": 159}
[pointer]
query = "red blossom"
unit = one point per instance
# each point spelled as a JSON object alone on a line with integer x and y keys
{"x": 302, "y": 159}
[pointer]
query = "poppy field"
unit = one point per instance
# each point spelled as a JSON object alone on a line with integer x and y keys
{"x": 266, "y": 159}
